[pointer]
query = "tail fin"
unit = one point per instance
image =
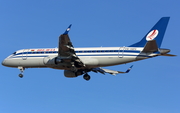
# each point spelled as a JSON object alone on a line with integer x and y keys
{"x": 156, "y": 33}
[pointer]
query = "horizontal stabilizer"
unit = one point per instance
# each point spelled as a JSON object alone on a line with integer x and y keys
{"x": 168, "y": 55}
{"x": 150, "y": 46}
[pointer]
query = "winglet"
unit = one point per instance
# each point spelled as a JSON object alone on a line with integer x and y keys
{"x": 67, "y": 30}
{"x": 129, "y": 69}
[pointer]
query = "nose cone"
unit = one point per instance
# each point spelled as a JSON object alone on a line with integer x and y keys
{"x": 4, "y": 62}
{"x": 9, "y": 62}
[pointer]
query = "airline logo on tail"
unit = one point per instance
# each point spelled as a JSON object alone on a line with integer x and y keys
{"x": 153, "y": 34}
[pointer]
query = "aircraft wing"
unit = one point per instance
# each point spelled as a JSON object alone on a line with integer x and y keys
{"x": 66, "y": 50}
{"x": 103, "y": 71}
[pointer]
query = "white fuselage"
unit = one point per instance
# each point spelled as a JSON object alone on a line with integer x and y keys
{"x": 91, "y": 57}
{"x": 80, "y": 61}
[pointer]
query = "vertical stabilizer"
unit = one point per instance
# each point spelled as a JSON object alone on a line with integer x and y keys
{"x": 156, "y": 33}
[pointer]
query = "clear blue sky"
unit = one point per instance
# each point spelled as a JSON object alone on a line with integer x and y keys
{"x": 151, "y": 87}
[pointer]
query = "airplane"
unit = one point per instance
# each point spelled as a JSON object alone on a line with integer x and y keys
{"x": 80, "y": 61}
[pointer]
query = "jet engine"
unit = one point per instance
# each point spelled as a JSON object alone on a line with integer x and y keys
{"x": 52, "y": 60}
{"x": 71, "y": 74}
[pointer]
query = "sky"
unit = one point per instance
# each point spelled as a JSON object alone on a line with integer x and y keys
{"x": 152, "y": 86}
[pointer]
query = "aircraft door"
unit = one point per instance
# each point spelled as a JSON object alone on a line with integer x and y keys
{"x": 121, "y": 52}
{"x": 25, "y": 54}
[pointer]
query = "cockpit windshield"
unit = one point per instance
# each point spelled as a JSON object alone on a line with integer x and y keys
{"x": 14, "y": 53}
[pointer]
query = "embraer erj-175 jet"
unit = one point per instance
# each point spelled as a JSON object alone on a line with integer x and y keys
{"x": 80, "y": 61}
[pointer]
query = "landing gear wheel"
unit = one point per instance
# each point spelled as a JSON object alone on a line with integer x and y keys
{"x": 22, "y": 70}
{"x": 20, "y": 75}
{"x": 86, "y": 77}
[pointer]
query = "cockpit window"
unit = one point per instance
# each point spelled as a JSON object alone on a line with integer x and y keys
{"x": 14, "y": 53}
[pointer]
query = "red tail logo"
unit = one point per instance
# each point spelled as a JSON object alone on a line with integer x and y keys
{"x": 151, "y": 35}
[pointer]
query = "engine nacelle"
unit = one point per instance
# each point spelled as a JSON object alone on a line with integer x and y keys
{"x": 52, "y": 60}
{"x": 71, "y": 74}
{"x": 58, "y": 60}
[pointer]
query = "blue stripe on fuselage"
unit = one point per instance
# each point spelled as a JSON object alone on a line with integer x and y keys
{"x": 85, "y": 51}
{"x": 104, "y": 55}
{"x": 79, "y": 53}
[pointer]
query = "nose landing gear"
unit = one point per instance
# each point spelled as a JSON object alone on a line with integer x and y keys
{"x": 21, "y": 75}
{"x": 22, "y": 70}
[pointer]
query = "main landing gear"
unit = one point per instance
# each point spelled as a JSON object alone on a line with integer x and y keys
{"x": 87, "y": 77}
{"x": 22, "y": 70}
{"x": 74, "y": 69}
